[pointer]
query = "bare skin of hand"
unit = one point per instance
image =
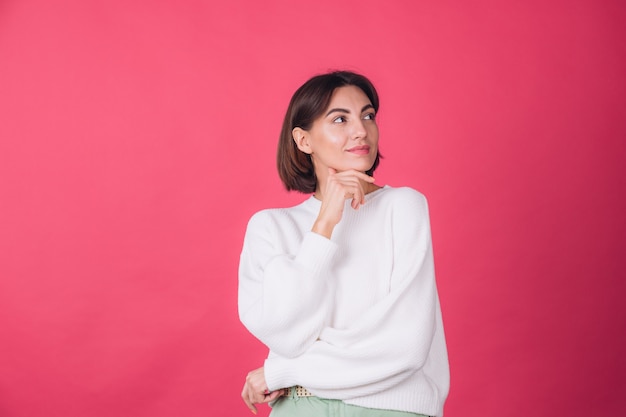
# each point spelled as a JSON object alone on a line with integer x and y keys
{"x": 255, "y": 390}
{"x": 339, "y": 187}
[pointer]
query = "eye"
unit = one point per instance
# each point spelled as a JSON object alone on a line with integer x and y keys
{"x": 340, "y": 119}
{"x": 369, "y": 116}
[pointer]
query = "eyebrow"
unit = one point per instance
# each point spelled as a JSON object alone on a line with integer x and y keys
{"x": 340, "y": 110}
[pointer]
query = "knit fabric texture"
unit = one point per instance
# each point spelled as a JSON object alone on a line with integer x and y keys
{"x": 355, "y": 317}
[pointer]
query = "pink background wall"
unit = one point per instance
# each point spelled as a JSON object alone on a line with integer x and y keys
{"x": 137, "y": 137}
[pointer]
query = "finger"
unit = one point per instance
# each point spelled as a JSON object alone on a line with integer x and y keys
{"x": 251, "y": 397}
{"x": 273, "y": 395}
{"x": 354, "y": 191}
{"x": 359, "y": 174}
{"x": 248, "y": 401}
{"x": 362, "y": 193}
{"x": 365, "y": 177}
{"x": 356, "y": 202}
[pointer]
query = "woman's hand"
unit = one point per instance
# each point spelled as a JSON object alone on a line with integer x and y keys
{"x": 255, "y": 390}
{"x": 339, "y": 187}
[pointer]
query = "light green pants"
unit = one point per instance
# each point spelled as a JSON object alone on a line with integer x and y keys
{"x": 319, "y": 407}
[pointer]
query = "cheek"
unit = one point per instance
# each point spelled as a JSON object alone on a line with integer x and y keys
{"x": 373, "y": 134}
{"x": 335, "y": 140}
{"x": 330, "y": 137}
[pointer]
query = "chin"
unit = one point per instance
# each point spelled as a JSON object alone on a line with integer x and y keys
{"x": 362, "y": 168}
{"x": 360, "y": 165}
{"x": 368, "y": 166}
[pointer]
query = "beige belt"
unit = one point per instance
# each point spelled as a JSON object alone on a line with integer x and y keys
{"x": 300, "y": 392}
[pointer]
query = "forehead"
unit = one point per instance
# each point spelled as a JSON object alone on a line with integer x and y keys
{"x": 348, "y": 94}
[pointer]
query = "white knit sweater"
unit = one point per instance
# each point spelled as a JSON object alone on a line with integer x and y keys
{"x": 356, "y": 317}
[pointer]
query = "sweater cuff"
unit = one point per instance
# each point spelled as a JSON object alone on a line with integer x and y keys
{"x": 315, "y": 252}
{"x": 278, "y": 373}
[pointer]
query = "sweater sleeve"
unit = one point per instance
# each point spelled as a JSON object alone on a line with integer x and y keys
{"x": 391, "y": 340}
{"x": 282, "y": 297}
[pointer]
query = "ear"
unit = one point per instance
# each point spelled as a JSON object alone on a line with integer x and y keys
{"x": 302, "y": 139}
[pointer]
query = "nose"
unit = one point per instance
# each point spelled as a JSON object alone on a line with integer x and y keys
{"x": 358, "y": 129}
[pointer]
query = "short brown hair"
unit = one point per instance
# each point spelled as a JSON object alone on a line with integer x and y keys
{"x": 307, "y": 104}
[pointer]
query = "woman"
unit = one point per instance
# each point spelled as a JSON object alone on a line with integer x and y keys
{"x": 341, "y": 287}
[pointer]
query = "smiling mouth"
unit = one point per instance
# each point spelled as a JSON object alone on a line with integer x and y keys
{"x": 360, "y": 150}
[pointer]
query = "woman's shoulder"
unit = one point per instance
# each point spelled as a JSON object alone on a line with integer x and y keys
{"x": 407, "y": 207}
{"x": 278, "y": 215}
{"x": 405, "y": 196}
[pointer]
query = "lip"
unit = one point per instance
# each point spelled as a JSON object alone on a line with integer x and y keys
{"x": 360, "y": 150}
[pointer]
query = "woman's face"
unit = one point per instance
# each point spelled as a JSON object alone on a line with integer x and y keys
{"x": 345, "y": 136}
